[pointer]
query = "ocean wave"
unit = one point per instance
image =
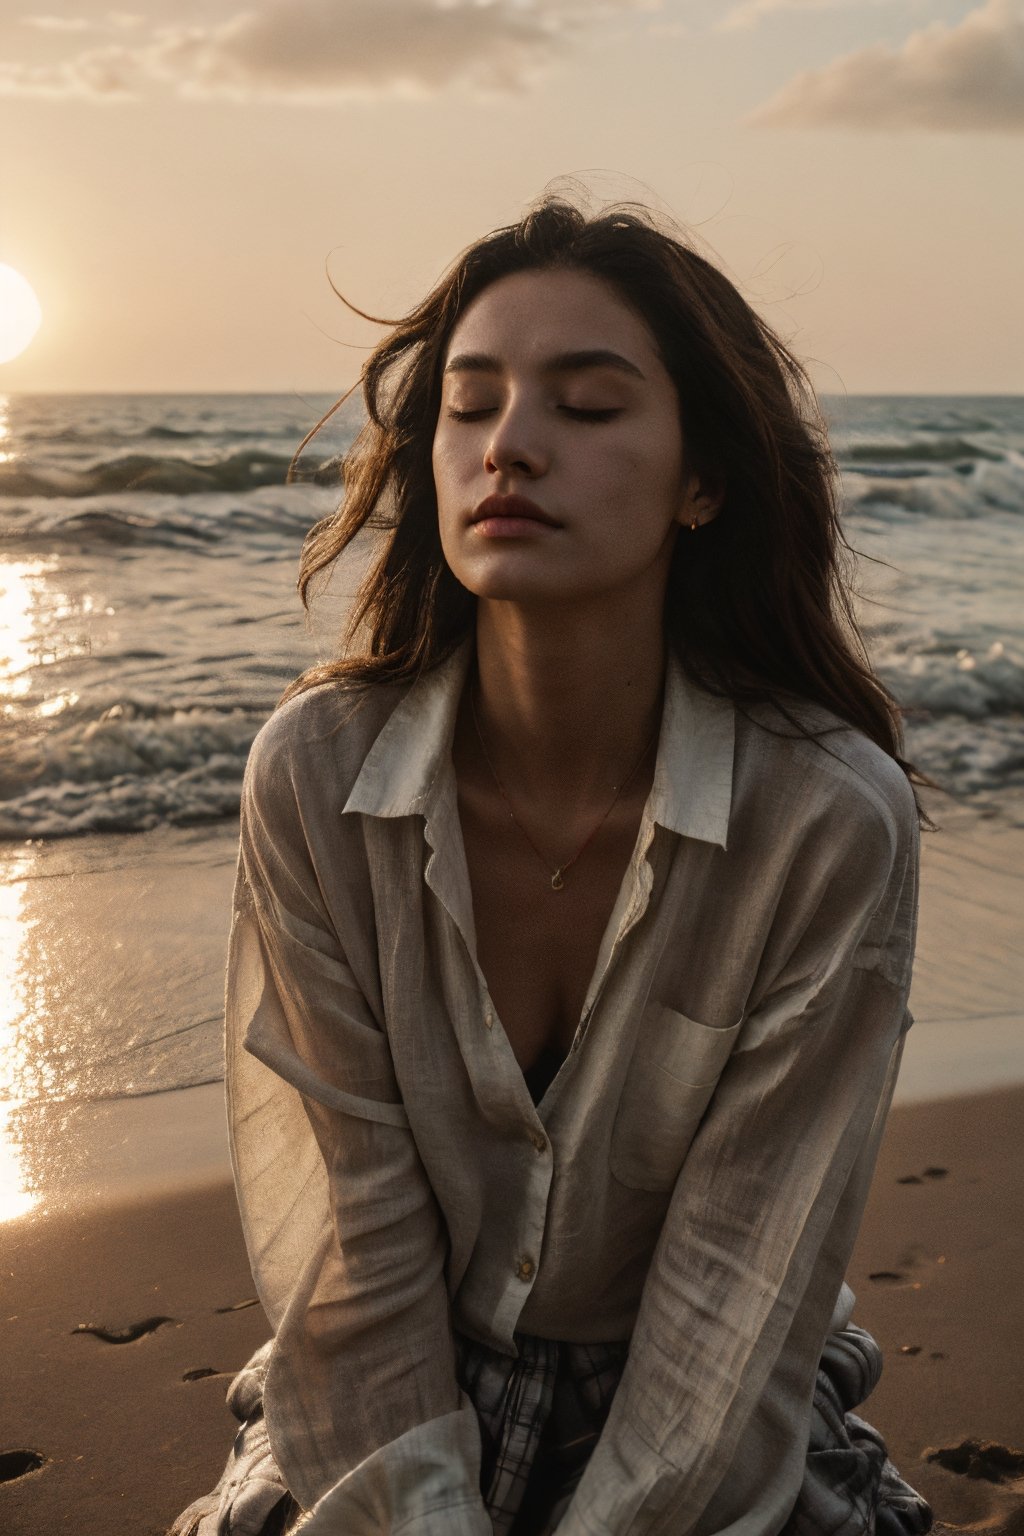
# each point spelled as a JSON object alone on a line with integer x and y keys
{"x": 974, "y": 683}
{"x": 132, "y": 768}
{"x": 193, "y": 523}
{"x": 987, "y": 488}
{"x": 963, "y": 711}
{"x": 168, "y": 475}
{"x": 138, "y": 766}
{"x": 971, "y": 759}
{"x": 943, "y": 450}
{"x": 108, "y": 436}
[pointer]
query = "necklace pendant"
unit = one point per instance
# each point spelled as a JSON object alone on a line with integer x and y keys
{"x": 556, "y": 880}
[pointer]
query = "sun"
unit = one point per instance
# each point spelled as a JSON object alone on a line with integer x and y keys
{"x": 19, "y": 313}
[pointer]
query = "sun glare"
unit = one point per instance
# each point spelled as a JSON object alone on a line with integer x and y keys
{"x": 19, "y": 313}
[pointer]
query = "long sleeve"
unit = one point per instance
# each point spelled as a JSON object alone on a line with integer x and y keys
{"x": 739, "y": 1295}
{"x": 347, "y": 1244}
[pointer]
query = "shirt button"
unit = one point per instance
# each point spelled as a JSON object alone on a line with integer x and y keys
{"x": 539, "y": 1140}
{"x": 525, "y": 1269}
{"x": 489, "y": 1019}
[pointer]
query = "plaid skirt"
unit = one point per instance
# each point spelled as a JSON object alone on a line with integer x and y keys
{"x": 540, "y": 1417}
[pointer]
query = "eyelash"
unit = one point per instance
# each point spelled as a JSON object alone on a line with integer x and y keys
{"x": 575, "y": 412}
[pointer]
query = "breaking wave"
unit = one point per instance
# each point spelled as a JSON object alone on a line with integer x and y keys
{"x": 170, "y": 521}
{"x": 988, "y": 487}
{"x": 131, "y": 768}
{"x": 169, "y": 475}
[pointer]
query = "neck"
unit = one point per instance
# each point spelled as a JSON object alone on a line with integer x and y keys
{"x": 567, "y": 702}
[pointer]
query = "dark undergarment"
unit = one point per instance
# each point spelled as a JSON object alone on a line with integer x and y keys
{"x": 541, "y": 1074}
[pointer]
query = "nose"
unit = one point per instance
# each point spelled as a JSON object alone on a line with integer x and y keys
{"x": 516, "y": 445}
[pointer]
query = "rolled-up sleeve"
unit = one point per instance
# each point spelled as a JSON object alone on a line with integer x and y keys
{"x": 346, "y": 1241}
{"x": 762, "y": 1221}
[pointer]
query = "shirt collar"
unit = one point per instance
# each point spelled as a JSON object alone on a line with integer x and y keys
{"x": 408, "y": 756}
{"x": 692, "y": 789}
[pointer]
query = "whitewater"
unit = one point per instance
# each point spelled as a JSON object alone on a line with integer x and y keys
{"x": 149, "y": 620}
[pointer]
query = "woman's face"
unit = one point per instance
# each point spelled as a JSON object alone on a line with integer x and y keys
{"x": 558, "y": 457}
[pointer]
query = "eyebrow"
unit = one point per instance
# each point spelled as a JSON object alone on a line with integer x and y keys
{"x": 563, "y": 362}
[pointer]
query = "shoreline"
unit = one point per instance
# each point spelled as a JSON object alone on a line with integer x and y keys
{"x": 79, "y": 907}
{"x": 140, "y": 922}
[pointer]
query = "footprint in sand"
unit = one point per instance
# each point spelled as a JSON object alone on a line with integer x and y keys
{"x": 981, "y": 1459}
{"x": 16, "y": 1463}
{"x": 126, "y": 1335}
{"x": 919, "y": 1178}
{"x": 995, "y": 1474}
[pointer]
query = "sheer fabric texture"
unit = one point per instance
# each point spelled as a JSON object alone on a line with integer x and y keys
{"x": 692, "y": 1179}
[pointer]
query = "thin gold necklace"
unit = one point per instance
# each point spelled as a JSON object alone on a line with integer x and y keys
{"x": 558, "y": 878}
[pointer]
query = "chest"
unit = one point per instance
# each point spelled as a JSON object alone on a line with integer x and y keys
{"x": 537, "y": 946}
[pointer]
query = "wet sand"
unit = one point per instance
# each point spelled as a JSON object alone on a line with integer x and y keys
{"x": 126, "y": 1302}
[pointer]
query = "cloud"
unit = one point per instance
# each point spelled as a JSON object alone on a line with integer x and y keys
{"x": 751, "y": 12}
{"x": 316, "y": 50}
{"x": 97, "y": 74}
{"x": 963, "y": 78}
{"x": 112, "y": 21}
{"x": 58, "y": 23}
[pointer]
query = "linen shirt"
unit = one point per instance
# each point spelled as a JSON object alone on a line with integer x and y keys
{"x": 693, "y": 1178}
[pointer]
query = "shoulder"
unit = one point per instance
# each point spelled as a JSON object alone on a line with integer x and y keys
{"x": 818, "y": 777}
{"x": 314, "y": 746}
{"x": 826, "y": 828}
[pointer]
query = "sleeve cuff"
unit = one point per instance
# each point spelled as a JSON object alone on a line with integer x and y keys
{"x": 425, "y": 1483}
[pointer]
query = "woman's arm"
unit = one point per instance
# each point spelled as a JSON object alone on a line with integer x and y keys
{"x": 345, "y": 1238}
{"x": 739, "y": 1296}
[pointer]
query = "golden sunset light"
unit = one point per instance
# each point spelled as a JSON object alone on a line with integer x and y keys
{"x": 511, "y": 769}
{"x": 20, "y": 314}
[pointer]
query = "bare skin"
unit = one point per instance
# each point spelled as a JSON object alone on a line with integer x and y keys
{"x": 570, "y": 644}
{"x": 537, "y": 947}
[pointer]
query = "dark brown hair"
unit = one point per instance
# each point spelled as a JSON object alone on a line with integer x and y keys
{"x": 758, "y": 604}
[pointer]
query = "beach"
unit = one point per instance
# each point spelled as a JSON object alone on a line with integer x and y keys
{"x": 127, "y": 1298}
{"x": 148, "y": 624}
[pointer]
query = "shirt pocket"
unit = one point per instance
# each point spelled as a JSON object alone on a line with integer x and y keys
{"x": 676, "y": 1064}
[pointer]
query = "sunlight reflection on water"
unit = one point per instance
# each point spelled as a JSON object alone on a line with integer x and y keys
{"x": 16, "y": 1194}
{"x": 21, "y": 589}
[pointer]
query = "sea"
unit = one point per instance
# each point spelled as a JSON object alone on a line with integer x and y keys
{"x": 149, "y": 619}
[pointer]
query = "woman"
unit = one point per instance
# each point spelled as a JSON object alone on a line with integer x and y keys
{"x": 572, "y": 939}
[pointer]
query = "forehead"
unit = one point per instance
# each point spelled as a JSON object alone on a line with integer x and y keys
{"x": 530, "y": 316}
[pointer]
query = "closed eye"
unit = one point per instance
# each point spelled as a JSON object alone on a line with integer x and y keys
{"x": 456, "y": 415}
{"x": 579, "y": 414}
{"x": 576, "y": 412}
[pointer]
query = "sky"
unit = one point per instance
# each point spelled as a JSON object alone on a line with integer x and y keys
{"x": 182, "y": 185}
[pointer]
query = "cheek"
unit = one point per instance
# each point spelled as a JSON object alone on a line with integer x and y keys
{"x": 649, "y": 468}
{"x": 437, "y": 451}
{"x": 659, "y": 466}
{"x": 448, "y": 466}
{"x": 446, "y": 494}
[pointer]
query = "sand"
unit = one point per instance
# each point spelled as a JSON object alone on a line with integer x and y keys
{"x": 937, "y": 1272}
{"x": 129, "y": 1431}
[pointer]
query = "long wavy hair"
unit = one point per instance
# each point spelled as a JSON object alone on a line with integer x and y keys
{"x": 758, "y": 605}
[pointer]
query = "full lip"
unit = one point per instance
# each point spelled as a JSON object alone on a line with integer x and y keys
{"x": 497, "y": 505}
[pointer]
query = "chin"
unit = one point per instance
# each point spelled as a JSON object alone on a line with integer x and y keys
{"x": 499, "y": 581}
